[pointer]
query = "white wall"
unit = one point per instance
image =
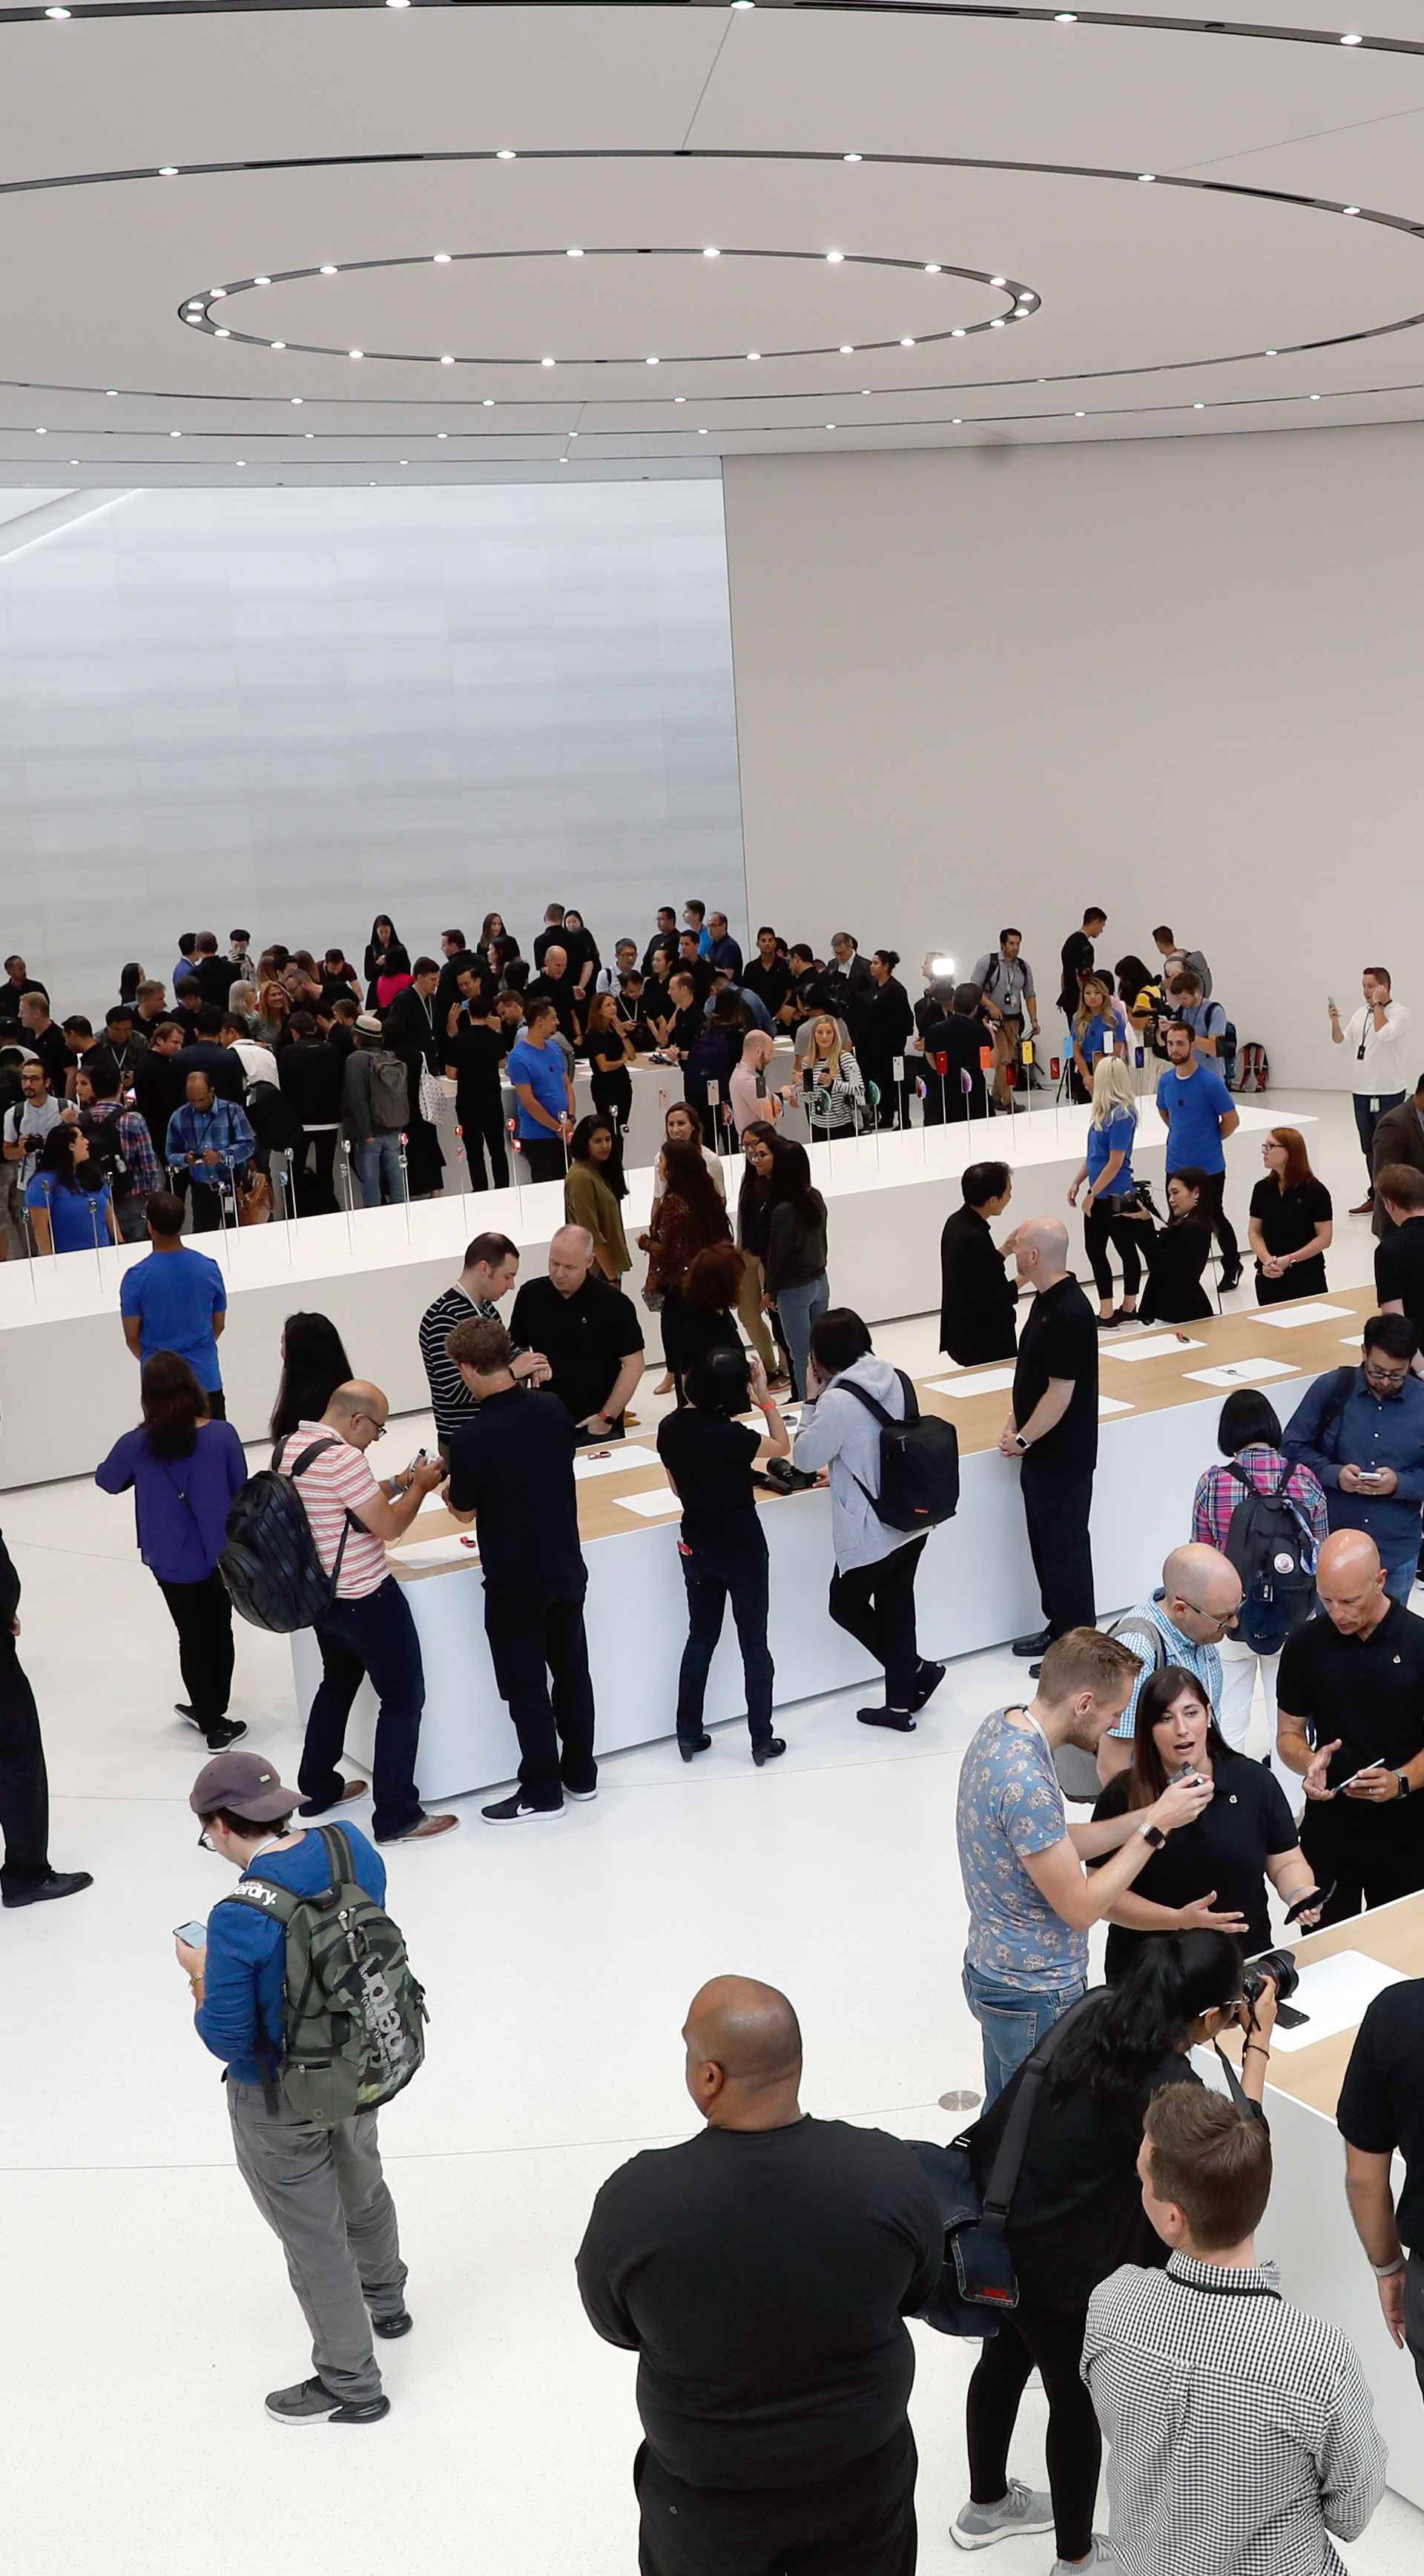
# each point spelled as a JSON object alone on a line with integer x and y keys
{"x": 291, "y": 710}
{"x": 1180, "y": 678}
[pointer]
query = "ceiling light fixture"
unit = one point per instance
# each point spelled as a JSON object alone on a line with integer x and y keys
{"x": 865, "y": 389}
{"x": 679, "y": 398}
{"x": 489, "y": 402}
{"x": 327, "y": 269}
{"x": 1345, "y": 40}
{"x": 446, "y": 360}
{"x": 405, "y": 460}
{"x": 998, "y": 281}
{"x": 296, "y": 398}
{"x": 169, "y": 170}
{"x": 711, "y": 251}
{"x": 573, "y": 253}
{"x": 1312, "y": 397}
{"x": 113, "y": 392}
{"x": 441, "y": 258}
{"x": 835, "y": 257}
{"x": 41, "y": 433}
{"x": 932, "y": 268}
{"x": 907, "y": 344}
{"x": 546, "y": 362}
{"x": 262, "y": 281}
{"x": 959, "y": 332}
{"x": 442, "y": 433}
{"x": 506, "y": 156}
{"x": 1065, "y": 17}
{"x": 1199, "y": 406}
{"x": 702, "y": 433}
{"x": 1147, "y": 178}
{"x": 56, "y": 13}
{"x": 852, "y": 156}
{"x": 998, "y": 323}
{"x": 1080, "y": 415}
{"x": 847, "y": 348}
{"x": 220, "y": 334}
{"x": 355, "y": 353}
{"x": 650, "y": 362}
{"x": 958, "y": 421}
{"x": 1271, "y": 353}
{"x": 308, "y": 433}
{"x": 1349, "y": 210}
{"x": 830, "y": 424}
{"x": 241, "y": 460}
{"x": 279, "y": 344}
{"x": 175, "y": 433}
{"x": 215, "y": 291}
{"x": 752, "y": 356}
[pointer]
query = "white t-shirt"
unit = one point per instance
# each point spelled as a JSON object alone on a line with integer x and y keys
{"x": 1381, "y": 1069}
{"x": 258, "y": 1062}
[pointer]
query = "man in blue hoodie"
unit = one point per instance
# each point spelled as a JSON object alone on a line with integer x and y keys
{"x": 321, "y": 2190}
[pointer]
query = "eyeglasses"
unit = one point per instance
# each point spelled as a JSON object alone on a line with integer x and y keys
{"x": 1385, "y": 1377}
{"x": 1218, "y": 1618}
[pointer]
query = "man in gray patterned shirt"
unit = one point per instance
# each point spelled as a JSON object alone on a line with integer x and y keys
{"x": 1241, "y": 2429}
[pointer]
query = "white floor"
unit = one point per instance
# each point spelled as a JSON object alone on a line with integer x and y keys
{"x": 147, "y": 2308}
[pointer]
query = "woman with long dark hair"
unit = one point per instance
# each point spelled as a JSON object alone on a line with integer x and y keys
{"x": 314, "y": 1365}
{"x": 610, "y": 1050}
{"x": 1212, "y": 1872}
{"x": 708, "y": 1454}
{"x": 795, "y": 1265}
{"x": 1177, "y": 1254}
{"x": 714, "y": 1283}
{"x": 760, "y": 1147}
{"x": 593, "y": 1187}
{"x": 70, "y": 1201}
{"x": 887, "y": 1024}
{"x": 129, "y": 982}
{"x": 1292, "y": 1222}
{"x": 687, "y": 1216}
{"x": 386, "y": 965}
{"x": 184, "y": 1470}
{"x": 1077, "y": 2215}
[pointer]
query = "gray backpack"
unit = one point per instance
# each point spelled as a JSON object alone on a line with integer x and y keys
{"x": 390, "y": 1094}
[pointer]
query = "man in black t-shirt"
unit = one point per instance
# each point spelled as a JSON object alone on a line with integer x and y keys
{"x": 762, "y": 2271}
{"x": 511, "y": 1473}
{"x": 589, "y": 1333}
{"x": 977, "y": 1305}
{"x": 1399, "y": 1256}
{"x": 554, "y": 983}
{"x": 1077, "y": 957}
{"x": 1381, "y": 2115}
{"x": 1053, "y": 1428}
{"x": 1350, "y": 1719}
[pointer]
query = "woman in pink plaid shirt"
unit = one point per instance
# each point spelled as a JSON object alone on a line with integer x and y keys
{"x": 1249, "y": 1433}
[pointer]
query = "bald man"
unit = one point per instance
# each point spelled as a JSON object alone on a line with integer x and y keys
{"x": 762, "y": 2271}
{"x": 1053, "y": 1430}
{"x": 589, "y": 1333}
{"x": 368, "y": 1629}
{"x": 1196, "y": 1606}
{"x": 1350, "y": 1720}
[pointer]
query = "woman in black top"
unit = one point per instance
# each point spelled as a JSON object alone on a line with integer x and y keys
{"x": 760, "y": 1147}
{"x": 1212, "y": 1873}
{"x": 314, "y": 1365}
{"x": 709, "y": 1323}
{"x": 1292, "y": 1222}
{"x": 1076, "y": 2215}
{"x": 795, "y": 1267}
{"x": 610, "y": 1051}
{"x": 385, "y": 956}
{"x": 886, "y": 1024}
{"x": 1177, "y": 1256}
{"x": 473, "y": 1055}
{"x": 708, "y": 1455}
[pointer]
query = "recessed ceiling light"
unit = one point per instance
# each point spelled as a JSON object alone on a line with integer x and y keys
{"x": 279, "y": 344}
{"x": 308, "y": 433}
{"x": 74, "y": 460}
{"x": 711, "y": 251}
{"x": 851, "y": 156}
{"x": 679, "y": 398}
{"x": 1080, "y": 415}
{"x": 262, "y": 281}
{"x": 959, "y": 332}
{"x": 563, "y": 460}
{"x": 753, "y": 354}
{"x": 1345, "y": 40}
{"x": 397, "y": 4}
{"x": 169, "y": 170}
{"x": 1313, "y": 398}
{"x": 175, "y": 433}
{"x": 1199, "y": 406}
{"x": 702, "y": 432}
{"x": 998, "y": 281}
{"x": 830, "y": 424}
{"x": 998, "y": 323}
{"x": 1349, "y": 210}
{"x": 220, "y": 334}
{"x": 41, "y": 433}
{"x": 446, "y": 360}
{"x": 907, "y": 344}
{"x": 296, "y": 398}
{"x": 865, "y": 389}
{"x": 194, "y": 304}
{"x": 847, "y": 348}
{"x": 573, "y": 253}
{"x": 355, "y": 353}
{"x": 546, "y": 362}
{"x": 441, "y": 258}
{"x": 1271, "y": 353}
{"x": 573, "y": 433}
{"x": 327, "y": 269}
{"x": 442, "y": 433}
{"x": 650, "y": 362}
{"x": 506, "y": 156}
{"x": 405, "y": 460}
{"x": 1147, "y": 178}
{"x": 835, "y": 257}
{"x": 932, "y": 268}
{"x": 112, "y": 391}
{"x": 958, "y": 421}
{"x": 216, "y": 290}
{"x": 489, "y": 402}
{"x": 744, "y": 4}
{"x": 56, "y": 13}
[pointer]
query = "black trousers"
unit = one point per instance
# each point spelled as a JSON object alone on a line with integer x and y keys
{"x": 876, "y": 1603}
{"x": 216, "y": 1402}
{"x": 1057, "y": 1500}
{"x": 860, "y": 2522}
{"x": 482, "y": 1128}
{"x": 1050, "y": 2340}
{"x": 1212, "y": 1214}
{"x": 613, "y": 1096}
{"x": 546, "y": 1156}
{"x": 731, "y": 1567}
{"x": 1100, "y": 1228}
{"x": 540, "y": 1656}
{"x": 202, "y": 1615}
{"x": 206, "y": 1203}
{"x": 1368, "y": 1853}
{"x": 314, "y": 1188}
{"x": 24, "y": 1782}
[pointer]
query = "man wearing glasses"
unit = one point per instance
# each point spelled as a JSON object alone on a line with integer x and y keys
{"x": 1182, "y": 1624}
{"x": 368, "y": 1628}
{"x": 1362, "y": 1430}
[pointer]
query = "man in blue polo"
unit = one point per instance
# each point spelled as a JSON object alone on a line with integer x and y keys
{"x": 1195, "y": 1107}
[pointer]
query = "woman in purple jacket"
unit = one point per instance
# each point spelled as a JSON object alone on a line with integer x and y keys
{"x": 184, "y": 1469}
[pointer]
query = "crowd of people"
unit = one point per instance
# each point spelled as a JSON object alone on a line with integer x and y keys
{"x": 763, "y": 2272}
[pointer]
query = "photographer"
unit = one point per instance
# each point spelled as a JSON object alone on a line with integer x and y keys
{"x": 1212, "y": 1873}
{"x": 1108, "y": 1215}
{"x": 1178, "y": 1253}
{"x": 1077, "y": 2214}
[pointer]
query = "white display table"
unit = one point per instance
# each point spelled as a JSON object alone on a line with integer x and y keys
{"x": 68, "y": 1386}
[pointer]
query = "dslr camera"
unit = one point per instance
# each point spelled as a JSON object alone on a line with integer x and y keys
{"x": 1273, "y": 1968}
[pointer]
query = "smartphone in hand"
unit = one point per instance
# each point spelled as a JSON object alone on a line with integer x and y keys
{"x": 195, "y": 1934}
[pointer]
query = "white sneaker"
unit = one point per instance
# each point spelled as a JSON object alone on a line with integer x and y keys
{"x": 1018, "y": 2511}
{"x": 1099, "y": 2556}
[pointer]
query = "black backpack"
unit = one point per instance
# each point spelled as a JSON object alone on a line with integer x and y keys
{"x": 270, "y": 1565}
{"x": 919, "y": 1462}
{"x": 1270, "y": 1544}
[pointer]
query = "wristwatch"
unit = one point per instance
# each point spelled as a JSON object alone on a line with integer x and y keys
{"x": 1404, "y": 1784}
{"x": 1153, "y": 1835}
{"x": 1023, "y": 1446}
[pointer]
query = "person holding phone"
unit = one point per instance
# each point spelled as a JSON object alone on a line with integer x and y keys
{"x": 1212, "y": 1874}
{"x": 1362, "y": 1431}
{"x": 1350, "y": 1720}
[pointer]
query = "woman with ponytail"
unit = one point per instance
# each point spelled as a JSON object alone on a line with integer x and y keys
{"x": 1076, "y": 2215}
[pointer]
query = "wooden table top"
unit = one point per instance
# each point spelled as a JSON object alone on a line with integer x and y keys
{"x": 1393, "y": 1934}
{"x": 1145, "y": 1386}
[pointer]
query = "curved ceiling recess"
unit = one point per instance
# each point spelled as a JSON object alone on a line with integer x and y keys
{"x": 753, "y": 361}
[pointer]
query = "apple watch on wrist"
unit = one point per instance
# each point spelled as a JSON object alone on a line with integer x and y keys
{"x": 1404, "y": 1783}
{"x": 1153, "y": 1836}
{"x": 1023, "y": 1446}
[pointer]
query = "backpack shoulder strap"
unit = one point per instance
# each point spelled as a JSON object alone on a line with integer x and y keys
{"x": 263, "y": 1895}
{"x": 1234, "y": 1468}
{"x": 341, "y": 1860}
{"x": 847, "y": 1386}
{"x": 313, "y": 1449}
{"x": 1009, "y": 2156}
{"x": 912, "y": 1401}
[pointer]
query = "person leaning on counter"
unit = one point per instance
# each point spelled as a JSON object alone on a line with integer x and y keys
{"x": 1350, "y": 1714}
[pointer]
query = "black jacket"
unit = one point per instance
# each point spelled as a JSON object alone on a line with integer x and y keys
{"x": 848, "y": 991}
{"x": 886, "y": 1023}
{"x": 976, "y": 1318}
{"x": 310, "y": 1075}
{"x": 222, "y": 1067}
{"x": 412, "y": 1029}
{"x": 158, "y": 1091}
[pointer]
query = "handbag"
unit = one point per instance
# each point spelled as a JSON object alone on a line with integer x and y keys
{"x": 254, "y": 1204}
{"x": 435, "y": 1094}
{"x": 978, "y": 2276}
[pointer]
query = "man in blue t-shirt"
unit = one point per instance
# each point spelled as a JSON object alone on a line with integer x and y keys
{"x": 176, "y": 1301}
{"x": 320, "y": 2189}
{"x": 544, "y": 1095}
{"x": 1195, "y": 1108}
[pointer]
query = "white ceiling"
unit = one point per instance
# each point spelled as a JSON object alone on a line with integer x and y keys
{"x": 644, "y": 134}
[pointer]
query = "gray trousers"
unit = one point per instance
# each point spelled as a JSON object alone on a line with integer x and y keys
{"x": 323, "y": 2193}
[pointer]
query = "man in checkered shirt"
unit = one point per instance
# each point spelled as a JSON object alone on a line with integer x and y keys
{"x": 1240, "y": 2427}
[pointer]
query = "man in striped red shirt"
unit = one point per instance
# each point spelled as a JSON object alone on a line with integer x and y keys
{"x": 368, "y": 1629}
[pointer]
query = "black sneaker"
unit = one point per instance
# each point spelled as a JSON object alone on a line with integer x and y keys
{"x": 518, "y": 1811}
{"x": 928, "y": 1677}
{"x": 310, "y": 2403}
{"x": 582, "y": 1797}
{"x": 44, "y": 1891}
{"x": 388, "y": 2328}
{"x": 225, "y": 1731}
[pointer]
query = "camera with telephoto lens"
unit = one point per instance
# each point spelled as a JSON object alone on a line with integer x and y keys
{"x": 1273, "y": 1968}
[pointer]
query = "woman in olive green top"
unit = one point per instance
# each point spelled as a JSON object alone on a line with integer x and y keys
{"x": 592, "y": 1190}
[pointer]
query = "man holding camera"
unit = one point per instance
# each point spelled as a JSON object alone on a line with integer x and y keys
{"x": 1350, "y": 1720}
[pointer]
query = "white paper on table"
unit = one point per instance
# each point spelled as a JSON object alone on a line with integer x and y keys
{"x": 1242, "y": 1372}
{"x": 1113, "y": 1404}
{"x": 974, "y": 1382}
{"x": 624, "y": 1453}
{"x": 1153, "y": 1346}
{"x": 1288, "y": 1319}
{"x": 1336, "y": 1993}
{"x": 652, "y": 1506}
{"x": 437, "y": 1551}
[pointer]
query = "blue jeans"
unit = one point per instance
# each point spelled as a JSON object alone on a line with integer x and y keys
{"x": 1400, "y": 1580}
{"x": 378, "y": 1169}
{"x": 797, "y": 1309}
{"x": 1012, "y": 2020}
{"x": 374, "y": 1635}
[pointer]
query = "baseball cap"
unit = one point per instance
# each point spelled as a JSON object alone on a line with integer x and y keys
{"x": 246, "y": 1785}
